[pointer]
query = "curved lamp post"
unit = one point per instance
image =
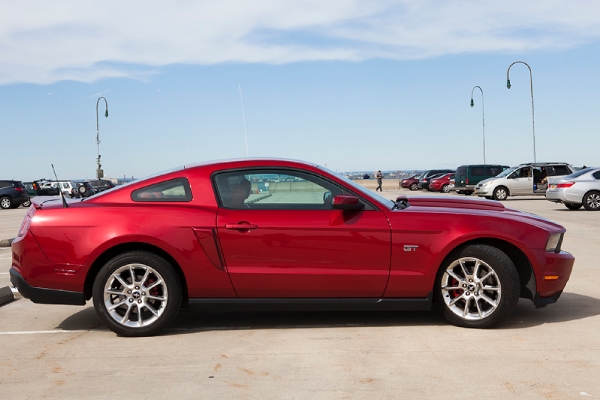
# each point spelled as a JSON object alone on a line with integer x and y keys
{"x": 99, "y": 172}
{"x": 531, "y": 88}
{"x": 482, "y": 116}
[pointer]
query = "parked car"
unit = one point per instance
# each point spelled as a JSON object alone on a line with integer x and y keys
{"x": 101, "y": 185}
{"x": 47, "y": 188}
{"x": 468, "y": 176}
{"x": 426, "y": 176}
{"x": 441, "y": 183}
{"x": 411, "y": 182}
{"x": 12, "y": 194}
{"x": 84, "y": 189}
{"x": 581, "y": 188}
{"x": 424, "y": 182}
{"x": 523, "y": 180}
{"x": 201, "y": 234}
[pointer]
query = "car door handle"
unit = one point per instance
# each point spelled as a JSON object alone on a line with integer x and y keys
{"x": 241, "y": 226}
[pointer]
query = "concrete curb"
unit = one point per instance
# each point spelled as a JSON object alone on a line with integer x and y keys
{"x": 6, "y": 242}
{"x": 6, "y": 295}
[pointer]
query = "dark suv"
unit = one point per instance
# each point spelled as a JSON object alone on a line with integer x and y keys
{"x": 12, "y": 194}
{"x": 101, "y": 185}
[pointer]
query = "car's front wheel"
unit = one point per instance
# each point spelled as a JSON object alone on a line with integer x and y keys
{"x": 572, "y": 206}
{"x": 137, "y": 294}
{"x": 477, "y": 287}
{"x": 414, "y": 186}
{"x": 591, "y": 201}
{"x": 500, "y": 193}
{"x": 26, "y": 204}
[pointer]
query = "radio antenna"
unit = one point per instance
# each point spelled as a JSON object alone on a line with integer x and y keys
{"x": 62, "y": 195}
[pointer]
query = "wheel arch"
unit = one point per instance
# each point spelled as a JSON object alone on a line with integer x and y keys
{"x": 133, "y": 246}
{"x": 501, "y": 187}
{"x": 517, "y": 256}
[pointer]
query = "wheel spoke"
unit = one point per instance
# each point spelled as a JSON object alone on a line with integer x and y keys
{"x": 121, "y": 281}
{"x": 488, "y": 300}
{"x": 145, "y": 277}
{"x": 158, "y": 282}
{"x": 453, "y": 274}
{"x": 132, "y": 273}
{"x": 462, "y": 266}
{"x": 115, "y": 292}
{"x": 476, "y": 268}
{"x": 115, "y": 306}
{"x": 490, "y": 288}
{"x": 453, "y": 302}
{"x": 139, "y": 310}
{"x": 151, "y": 308}
{"x": 479, "y": 309}
{"x": 159, "y": 298}
{"x": 127, "y": 314}
{"x": 467, "y": 303}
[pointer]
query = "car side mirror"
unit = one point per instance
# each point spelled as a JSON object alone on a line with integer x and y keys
{"x": 347, "y": 202}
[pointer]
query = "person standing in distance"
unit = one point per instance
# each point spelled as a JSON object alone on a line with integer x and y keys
{"x": 379, "y": 177}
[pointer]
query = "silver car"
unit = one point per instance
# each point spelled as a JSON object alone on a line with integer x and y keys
{"x": 581, "y": 188}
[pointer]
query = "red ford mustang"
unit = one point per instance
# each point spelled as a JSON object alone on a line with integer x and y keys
{"x": 282, "y": 232}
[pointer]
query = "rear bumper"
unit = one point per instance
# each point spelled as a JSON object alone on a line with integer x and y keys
{"x": 45, "y": 296}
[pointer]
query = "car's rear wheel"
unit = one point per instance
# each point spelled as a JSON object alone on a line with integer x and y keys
{"x": 414, "y": 186}
{"x": 446, "y": 188}
{"x": 27, "y": 203}
{"x": 6, "y": 202}
{"x": 572, "y": 206}
{"x": 500, "y": 193}
{"x": 477, "y": 287}
{"x": 591, "y": 201}
{"x": 137, "y": 294}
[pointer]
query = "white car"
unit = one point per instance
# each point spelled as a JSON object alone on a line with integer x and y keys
{"x": 523, "y": 180}
{"x": 581, "y": 188}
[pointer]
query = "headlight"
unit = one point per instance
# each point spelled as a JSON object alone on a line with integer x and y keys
{"x": 487, "y": 183}
{"x": 554, "y": 242}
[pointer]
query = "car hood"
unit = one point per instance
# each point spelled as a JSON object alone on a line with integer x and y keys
{"x": 479, "y": 207}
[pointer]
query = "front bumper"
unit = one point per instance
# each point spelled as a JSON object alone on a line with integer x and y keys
{"x": 549, "y": 290}
{"x": 45, "y": 296}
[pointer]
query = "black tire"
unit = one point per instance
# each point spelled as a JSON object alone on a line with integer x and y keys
{"x": 6, "y": 203}
{"x": 26, "y": 204}
{"x": 82, "y": 189}
{"x": 591, "y": 201}
{"x": 468, "y": 193}
{"x": 572, "y": 206}
{"x": 155, "y": 294}
{"x": 414, "y": 186}
{"x": 471, "y": 303}
{"x": 500, "y": 193}
{"x": 445, "y": 189}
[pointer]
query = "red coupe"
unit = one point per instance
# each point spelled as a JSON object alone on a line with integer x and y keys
{"x": 411, "y": 182}
{"x": 441, "y": 183}
{"x": 280, "y": 232}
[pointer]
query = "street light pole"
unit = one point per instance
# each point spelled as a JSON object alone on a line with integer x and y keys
{"x": 482, "y": 116}
{"x": 531, "y": 88}
{"x": 99, "y": 172}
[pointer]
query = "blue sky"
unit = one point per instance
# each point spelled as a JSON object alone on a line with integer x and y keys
{"x": 354, "y": 85}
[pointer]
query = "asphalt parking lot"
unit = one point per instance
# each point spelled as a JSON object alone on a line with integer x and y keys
{"x": 550, "y": 353}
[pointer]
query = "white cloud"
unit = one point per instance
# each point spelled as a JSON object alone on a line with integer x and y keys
{"x": 44, "y": 42}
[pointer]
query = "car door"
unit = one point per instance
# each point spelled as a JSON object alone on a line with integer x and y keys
{"x": 283, "y": 240}
{"x": 521, "y": 181}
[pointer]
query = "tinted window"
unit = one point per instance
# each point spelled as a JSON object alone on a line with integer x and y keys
{"x": 461, "y": 171}
{"x": 561, "y": 170}
{"x": 5, "y": 184}
{"x": 493, "y": 171}
{"x": 171, "y": 190}
{"x": 477, "y": 171}
{"x": 274, "y": 190}
{"x": 596, "y": 174}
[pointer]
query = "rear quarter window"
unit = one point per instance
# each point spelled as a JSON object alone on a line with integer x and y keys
{"x": 561, "y": 170}
{"x": 173, "y": 190}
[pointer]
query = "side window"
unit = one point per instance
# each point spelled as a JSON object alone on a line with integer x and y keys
{"x": 274, "y": 190}
{"x": 174, "y": 190}
{"x": 4, "y": 184}
{"x": 596, "y": 174}
{"x": 493, "y": 171}
{"x": 561, "y": 170}
{"x": 478, "y": 171}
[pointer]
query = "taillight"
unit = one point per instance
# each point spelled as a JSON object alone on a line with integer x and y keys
{"x": 18, "y": 189}
{"x": 466, "y": 181}
{"x": 564, "y": 185}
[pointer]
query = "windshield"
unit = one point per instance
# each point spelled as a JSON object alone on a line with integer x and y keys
{"x": 506, "y": 172}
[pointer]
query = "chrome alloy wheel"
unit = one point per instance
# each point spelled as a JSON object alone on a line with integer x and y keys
{"x": 135, "y": 295}
{"x": 592, "y": 201}
{"x": 471, "y": 288}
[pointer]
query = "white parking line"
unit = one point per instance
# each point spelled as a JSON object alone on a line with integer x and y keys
{"x": 40, "y": 332}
